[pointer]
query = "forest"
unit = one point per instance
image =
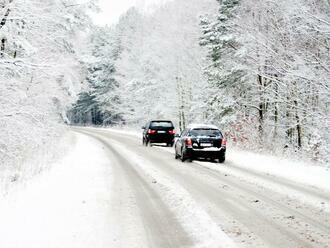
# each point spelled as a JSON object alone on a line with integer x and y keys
{"x": 260, "y": 70}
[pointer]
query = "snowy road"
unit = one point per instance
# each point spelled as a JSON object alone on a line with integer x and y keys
{"x": 110, "y": 191}
{"x": 194, "y": 204}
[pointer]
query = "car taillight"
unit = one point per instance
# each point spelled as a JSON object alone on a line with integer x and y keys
{"x": 150, "y": 131}
{"x": 188, "y": 142}
{"x": 171, "y": 131}
{"x": 223, "y": 142}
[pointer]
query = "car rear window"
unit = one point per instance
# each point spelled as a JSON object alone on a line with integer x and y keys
{"x": 205, "y": 132}
{"x": 161, "y": 124}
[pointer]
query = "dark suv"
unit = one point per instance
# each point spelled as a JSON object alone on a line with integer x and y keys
{"x": 204, "y": 141}
{"x": 158, "y": 131}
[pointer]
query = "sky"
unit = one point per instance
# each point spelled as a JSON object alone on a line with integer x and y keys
{"x": 112, "y": 9}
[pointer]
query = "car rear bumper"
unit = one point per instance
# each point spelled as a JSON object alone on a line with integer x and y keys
{"x": 161, "y": 138}
{"x": 211, "y": 152}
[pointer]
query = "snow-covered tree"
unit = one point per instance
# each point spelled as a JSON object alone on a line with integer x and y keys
{"x": 160, "y": 67}
{"x": 99, "y": 104}
{"x": 40, "y": 73}
{"x": 278, "y": 53}
{"x": 225, "y": 79}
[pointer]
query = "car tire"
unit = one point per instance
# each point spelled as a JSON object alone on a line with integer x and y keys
{"x": 183, "y": 156}
{"x": 222, "y": 159}
{"x": 176, "y": 155}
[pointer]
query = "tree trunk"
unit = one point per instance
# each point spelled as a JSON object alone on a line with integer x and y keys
{"x": 298, "y": 126}
{"x": 2, "y": 47}
{"x": 276, "y": 112}
{"x": 261, "y": 108}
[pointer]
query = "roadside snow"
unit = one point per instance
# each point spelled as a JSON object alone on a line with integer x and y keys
{"x": 67, "y": 206}
{"x": 300, "y": 172}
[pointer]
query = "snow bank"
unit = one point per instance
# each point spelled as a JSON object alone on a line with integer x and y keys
{"x": 300, "y": 172}
{"x": 67, "y": 206}
{"x": 25, "y": 149}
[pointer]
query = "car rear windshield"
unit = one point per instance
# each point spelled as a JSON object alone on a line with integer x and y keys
{"x": 161, "y": 124}
{"x": 205, "y": 132}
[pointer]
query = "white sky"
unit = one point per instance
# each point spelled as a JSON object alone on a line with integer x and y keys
{"x": 112, "y": 9}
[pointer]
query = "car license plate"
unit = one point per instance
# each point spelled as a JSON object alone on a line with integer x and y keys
{"x": 206, "y": 144}
{"x": 161, "y": 131}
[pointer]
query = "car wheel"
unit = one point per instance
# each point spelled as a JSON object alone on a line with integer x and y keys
{"x": 176, "y": 155}
{"x": 183, "y": 156}
{"x": 222, "y": 159}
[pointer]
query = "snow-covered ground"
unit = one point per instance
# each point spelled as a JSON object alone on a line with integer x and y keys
{"x": 107, "y": 192}
{"x": 301, "y": 172}
{"x": 308, "y": 175}
{"x": 66, "y": 206}
{"x": 299, "y": 180}
{"x": 247, "y": 196}
{"x": 73, "y": 204}
{"x": 266, "y": 170}
{"x": 193, "y": 218}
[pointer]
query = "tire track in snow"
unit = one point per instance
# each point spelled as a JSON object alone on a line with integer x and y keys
{"x": 281, "y": 211}
{"x": 194, "y": 219}
{"x": 160, "y": 225}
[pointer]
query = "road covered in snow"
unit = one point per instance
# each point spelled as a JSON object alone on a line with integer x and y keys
{"x": 110, "y": 191}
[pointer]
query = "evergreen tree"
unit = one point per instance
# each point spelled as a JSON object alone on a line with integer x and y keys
{"x": 268, "y": 72}
{"x": 99, "y": 104}
{"x": 225, "y": 79}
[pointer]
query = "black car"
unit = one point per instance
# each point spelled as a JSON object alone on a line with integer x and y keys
{"x": 158, "y": 131}
{"x": 201, "y": 141}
